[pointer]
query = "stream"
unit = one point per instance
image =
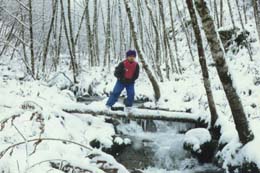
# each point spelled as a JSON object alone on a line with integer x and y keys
{"x": 161, "y": 151}
{"x": 158, "y": 152}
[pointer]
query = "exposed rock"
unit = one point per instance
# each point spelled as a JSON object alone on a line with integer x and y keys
{"x": 200, "y": 144}
{"x": 233, "y": 36}
{"x": 119, "y": 145}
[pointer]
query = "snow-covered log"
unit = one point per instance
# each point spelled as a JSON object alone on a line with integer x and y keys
{"x": 143, "y": 114}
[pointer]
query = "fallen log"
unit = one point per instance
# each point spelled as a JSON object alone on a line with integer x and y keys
{"x": 143, "y": 114}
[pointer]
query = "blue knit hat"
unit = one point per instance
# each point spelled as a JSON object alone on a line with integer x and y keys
{"x": 131, "y": 53}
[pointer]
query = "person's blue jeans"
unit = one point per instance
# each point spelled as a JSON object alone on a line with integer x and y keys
{"x": 117, "y": 91}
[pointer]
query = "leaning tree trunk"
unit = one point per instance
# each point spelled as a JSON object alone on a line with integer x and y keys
{"x": 240, "y": 119}
{"x": 149, "y": 73}
{"x": 203, "y": 64}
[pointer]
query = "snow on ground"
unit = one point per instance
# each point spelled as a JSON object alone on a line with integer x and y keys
{"x": 31, "y": 111}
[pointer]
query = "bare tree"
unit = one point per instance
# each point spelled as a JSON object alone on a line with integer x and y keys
{"x": 31, "y": 37}
{"x": 203, "y": 63}
{"x": 184, "y": 29}
{"x": 167, "y": 43}
{"x": 174, "y": 37}
{"x": 157, "y": 38}
{"x": 108, "y": 36}
{"x": 47, "y": 41}
{"x": 218, "y": 54}
{"x": 68, "y": 42}
{"x": 95, "y": 32}
{"x": 71, "y": 36}
{"x": 89, "y": 35}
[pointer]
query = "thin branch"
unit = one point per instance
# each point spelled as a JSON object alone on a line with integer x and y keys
{"x": 2, "y": 153}
{"x": 23, "y": 5}
{"x": 15, "y": 17}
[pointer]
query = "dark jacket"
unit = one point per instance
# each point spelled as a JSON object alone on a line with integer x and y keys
{"x": 120, "y": 71}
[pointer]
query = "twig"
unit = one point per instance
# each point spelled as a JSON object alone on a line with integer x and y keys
{"x": 19, "y": 132}
{"x": 2, "y": 153}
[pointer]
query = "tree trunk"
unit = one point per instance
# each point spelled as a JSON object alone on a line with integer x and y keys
{"x": 71, "y": 36}
{"x": 244, "y": 10}
{"x": 256, "y": 5}
{"x": 174, "y": 37}
{"x": 108, "y": 36}
{"x": 90, "y": 41}
{"x": 121, "y": 30}
{"x": 31, "y": 38}
{"x": 68, "y": 42}
{"x": 221, "y": 13}
{"x": 203, "y": 63}
{"x": 231, "y": 14}
{"x": 184, "y": 29}
{"x": 164, "y": 35}
{"x": 47, "y": 41}
{"x": 239, "y": 14}
{"x": 240, "y": 119}
{"x": 23, "y": 43}
{"x": 149, "y": 73}
{"x": 216, "y": 13}
{"x": 95, "y": 32}
{"x": 157, "y": 38}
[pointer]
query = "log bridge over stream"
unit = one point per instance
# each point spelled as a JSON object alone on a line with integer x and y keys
{"x": 145, "y": 114}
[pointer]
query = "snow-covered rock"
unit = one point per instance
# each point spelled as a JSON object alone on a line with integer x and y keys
{"x": 196, "y": 138}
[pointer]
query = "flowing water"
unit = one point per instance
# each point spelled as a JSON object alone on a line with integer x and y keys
{"x": 167, "y": 153}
